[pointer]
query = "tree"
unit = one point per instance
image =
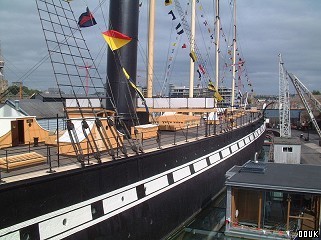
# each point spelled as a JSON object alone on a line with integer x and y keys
{"x": 316, "y": 92}
{"x": 14, "y": 90}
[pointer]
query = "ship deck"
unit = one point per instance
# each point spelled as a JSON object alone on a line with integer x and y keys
{"x": 53, "y": 162}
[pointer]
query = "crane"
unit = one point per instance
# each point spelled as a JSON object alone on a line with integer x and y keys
{"x": 284, "y": 101}
{"x": 300, "y": 88}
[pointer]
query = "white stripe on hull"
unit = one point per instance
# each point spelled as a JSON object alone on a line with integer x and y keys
{"x": 215, "y": 158}
{"x": 200, "y": 165}
{"x": 181, "y": 173}
{"x": 11, "y": 236}
{"x": 225, "y": 152}
{"x": 64, "y": 222}
{"x": 155, "y": 185}
{"x": 234, "y": 148}
{"x": 118, "y": 201}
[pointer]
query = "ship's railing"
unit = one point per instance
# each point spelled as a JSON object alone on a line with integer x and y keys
{"x": 46, "y": 158}
{"x": 51, "y": 124}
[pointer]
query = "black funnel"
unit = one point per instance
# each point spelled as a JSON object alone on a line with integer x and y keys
{"x": 123, "y": 17}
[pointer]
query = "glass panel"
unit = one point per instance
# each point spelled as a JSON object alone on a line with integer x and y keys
{"x": 275, "y": 210}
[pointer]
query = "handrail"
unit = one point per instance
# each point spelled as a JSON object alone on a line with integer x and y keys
{"x": 164, "y": 140}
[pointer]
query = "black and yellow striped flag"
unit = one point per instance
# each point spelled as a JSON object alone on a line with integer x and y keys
{"x": 217, "y": 95}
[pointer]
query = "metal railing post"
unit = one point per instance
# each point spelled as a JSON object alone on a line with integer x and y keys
{"x": 206, "y": 128}
{"x": 117, "y": 142}
{"x": 197, "y": 131}
{"x": 142, "y": 141}
{"x": 158, "y": 140}
{"x": 88, "y": 152}
{"x": 58, "y": 150}
{"x": 7, "y": 163}
{"x": 49, "y": 160}
{"x": 174, "y": 138}
{"x": 186, "y": 137}
{"x": 1, "y": 181}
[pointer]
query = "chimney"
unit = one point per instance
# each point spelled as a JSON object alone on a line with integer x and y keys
{"x": 16, "y": 104}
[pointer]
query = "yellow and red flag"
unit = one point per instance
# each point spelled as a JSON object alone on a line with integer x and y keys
{"x": 115, "y": 39}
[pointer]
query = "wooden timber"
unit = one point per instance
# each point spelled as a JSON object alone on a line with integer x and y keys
{"x": 145, "y": 131}
{"x": 21, "y": 160}
{"x": 177, "y": 122}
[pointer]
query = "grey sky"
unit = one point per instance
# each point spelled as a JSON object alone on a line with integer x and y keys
{"x": 265, "y": 28}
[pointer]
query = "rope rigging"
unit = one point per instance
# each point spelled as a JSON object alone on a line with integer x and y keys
{"x": 66, "y": 65}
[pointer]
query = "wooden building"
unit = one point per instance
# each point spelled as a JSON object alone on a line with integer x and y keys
{"x": 272, "y": 200}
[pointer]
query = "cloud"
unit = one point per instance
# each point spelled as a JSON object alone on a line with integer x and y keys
{"x": 265, "y": 29}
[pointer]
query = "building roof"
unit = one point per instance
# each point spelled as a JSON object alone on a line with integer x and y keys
{"x": 53, "y": 97}
{"x": 35, "y": 107}
{"x": 278, "y": 176}
{"x": 287, "y": 141}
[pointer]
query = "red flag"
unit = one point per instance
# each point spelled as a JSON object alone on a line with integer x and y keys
{"x": 201, "y": 68}
{"x": 86, "y": 19}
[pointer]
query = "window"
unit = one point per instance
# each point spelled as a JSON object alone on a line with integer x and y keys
{"x": 287, "y": 149}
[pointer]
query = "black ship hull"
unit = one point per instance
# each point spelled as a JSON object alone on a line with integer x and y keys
{"x": 140, "y": 197}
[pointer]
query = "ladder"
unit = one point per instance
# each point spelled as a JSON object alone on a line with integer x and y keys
{"x": 300, "y": 88}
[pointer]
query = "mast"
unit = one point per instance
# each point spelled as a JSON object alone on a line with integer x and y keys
{"x": 1, "y": 65}
{"x": 234, "y": 58}
{"x": 191, "y": 70}
{"x": 150, "y": 60}
{"x": 123, "y": 17}
{"x": 217, "y": 47}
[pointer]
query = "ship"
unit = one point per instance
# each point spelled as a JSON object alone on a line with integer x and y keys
{"x": 117, "y": 185}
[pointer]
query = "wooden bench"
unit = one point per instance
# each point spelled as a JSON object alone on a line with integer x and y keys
{"x": 21, "y": 160}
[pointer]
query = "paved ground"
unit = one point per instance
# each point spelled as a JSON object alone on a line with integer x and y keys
{"x": 310, "y": 149}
